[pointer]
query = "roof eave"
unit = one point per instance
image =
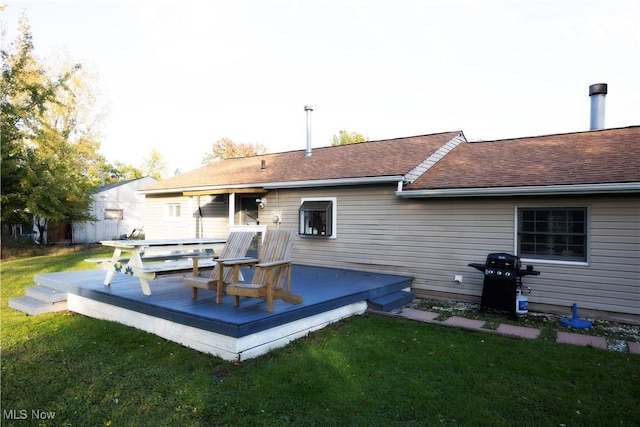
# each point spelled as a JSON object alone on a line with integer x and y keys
{"x": 545, "y": 190}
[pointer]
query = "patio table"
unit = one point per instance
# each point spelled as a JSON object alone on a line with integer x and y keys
{"x": 162, "y": 249}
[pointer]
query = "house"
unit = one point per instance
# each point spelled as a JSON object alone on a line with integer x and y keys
{"x": 118, "y": 208}
{"x": 427, "y": 206}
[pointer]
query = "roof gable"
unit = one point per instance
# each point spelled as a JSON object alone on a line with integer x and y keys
{"x": 137, "y": 182}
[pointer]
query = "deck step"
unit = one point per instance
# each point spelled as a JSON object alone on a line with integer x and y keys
{"x": 39, "y": 299}
{"x": 34, "y": 306}
{"x": 45, "y": 294}
{"x": 391, "y": 301}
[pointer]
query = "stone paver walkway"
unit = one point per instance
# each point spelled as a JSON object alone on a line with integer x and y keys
{"x": 419, "y": 314}
{"x": 520, "y": 331}
{"x": 580, "y": 339}
{"x": 513, "y": 330}
{"x": 464, "y": 322}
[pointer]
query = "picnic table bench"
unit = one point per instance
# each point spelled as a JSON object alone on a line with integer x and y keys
{"x": 152, "y": 257}
{"x": 158, "y": 264}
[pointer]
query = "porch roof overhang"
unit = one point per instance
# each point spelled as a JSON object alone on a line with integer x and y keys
{"x": 207, "y": 190}
{"x": 221, "y": 191}
{"x": 532, "y": 190}
{"x": 261, "y": 187}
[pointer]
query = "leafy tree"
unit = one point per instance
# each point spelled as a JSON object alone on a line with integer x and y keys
{"x": 345, "y": 137}
{"x": 120, "y": 172}
{"x": 48, "y": 147}
{"x": 23, "y": 94}
{"x": 227, "y": 149}
{"x": 154, "y": 166}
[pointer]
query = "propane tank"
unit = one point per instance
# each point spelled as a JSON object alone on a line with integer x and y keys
{"x": 522, "y": 302}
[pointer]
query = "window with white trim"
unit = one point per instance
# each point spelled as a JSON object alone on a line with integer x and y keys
{"x": 115, "y": 214}
{"x": 317, "y": 217}
{"x": 556, "y": 233}
{"x": 172, "y": 210}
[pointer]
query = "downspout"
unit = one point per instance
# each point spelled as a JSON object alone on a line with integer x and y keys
{"x": 199, "y": 225}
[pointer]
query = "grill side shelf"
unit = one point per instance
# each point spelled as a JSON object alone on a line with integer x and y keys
{"x": 477, "y": 266}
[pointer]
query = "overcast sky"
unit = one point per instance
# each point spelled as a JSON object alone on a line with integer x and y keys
{"x": 180, "y": 75}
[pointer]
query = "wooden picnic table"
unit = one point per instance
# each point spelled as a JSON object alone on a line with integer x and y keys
{"x": 161, "y": 249}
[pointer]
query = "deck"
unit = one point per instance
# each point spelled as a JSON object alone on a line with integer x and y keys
{"x": 232, "y": 333}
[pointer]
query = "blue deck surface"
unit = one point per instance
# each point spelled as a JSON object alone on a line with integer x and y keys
{"x": 322, "y": 289}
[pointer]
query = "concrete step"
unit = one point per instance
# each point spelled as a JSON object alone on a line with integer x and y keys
{"x": 34, "y": 306}
{"x": 45, "y": 294}
{"x": 391, "y": 301}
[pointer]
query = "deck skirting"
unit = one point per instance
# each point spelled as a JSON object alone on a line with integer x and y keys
{"x": 223, "y": 346}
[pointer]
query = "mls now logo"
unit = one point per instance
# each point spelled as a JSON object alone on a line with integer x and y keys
{"x": 15, "y": 414}
{"x": 23, "y": 414}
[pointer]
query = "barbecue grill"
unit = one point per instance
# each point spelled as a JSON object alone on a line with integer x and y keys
{"x": 502, "y": 279}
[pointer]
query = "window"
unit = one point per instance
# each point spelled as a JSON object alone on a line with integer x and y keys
{"x": 173, "y": 210}
{"x": 113, "y": 214}
{"x": 553, "y": 233}
{"x": 317, "y": 218}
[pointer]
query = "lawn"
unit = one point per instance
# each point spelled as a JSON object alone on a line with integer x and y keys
{"x": 366, "y": 370}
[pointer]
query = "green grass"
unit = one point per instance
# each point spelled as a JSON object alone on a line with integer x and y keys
{"x": 366, "y": 370}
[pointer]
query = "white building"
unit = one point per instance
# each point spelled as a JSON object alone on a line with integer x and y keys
{"x": 118, "y": 208}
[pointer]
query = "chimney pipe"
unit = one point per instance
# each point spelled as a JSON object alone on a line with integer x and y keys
{"x": 597, "y": 92}
{"x": 308, "y": 109}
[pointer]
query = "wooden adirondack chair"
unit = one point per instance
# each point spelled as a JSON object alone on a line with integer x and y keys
{"x": 235, "y": 248}
{"x": 273, "y": 270}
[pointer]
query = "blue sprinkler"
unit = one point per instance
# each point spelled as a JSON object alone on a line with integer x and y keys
{"x": 574, "y": 321}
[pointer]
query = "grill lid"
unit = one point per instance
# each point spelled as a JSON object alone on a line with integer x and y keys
{"x": 503, "y": 260}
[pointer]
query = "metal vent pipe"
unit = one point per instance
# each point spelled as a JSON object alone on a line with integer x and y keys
{"x": 597, "y": 93}
{"x": 308, "y": 109}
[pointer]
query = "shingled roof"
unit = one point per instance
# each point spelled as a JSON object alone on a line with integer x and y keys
{"x": 593, "y": 157}
{"x": 391, "y": 158}
{"x": 438, "y": 165}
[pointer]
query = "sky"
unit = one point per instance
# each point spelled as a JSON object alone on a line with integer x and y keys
{"x": 178, "y": 76}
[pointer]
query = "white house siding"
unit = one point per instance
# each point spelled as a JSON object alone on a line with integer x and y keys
{"x": 378, "y": 231}
{"x": 210, "y": 221}
{"x": 435, "y": 239}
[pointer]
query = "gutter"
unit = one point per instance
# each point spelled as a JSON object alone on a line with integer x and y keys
{"x": 546, "y": 190}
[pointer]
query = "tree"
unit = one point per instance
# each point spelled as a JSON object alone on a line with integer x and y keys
{"x": 48, "y": 143}
{"x": 23, "y": 95}
{"x": 345, "y": 137}
{"x": 120, "y": 172}
{"x": 227, "y": 149}
{"x": 154, "y": 166}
